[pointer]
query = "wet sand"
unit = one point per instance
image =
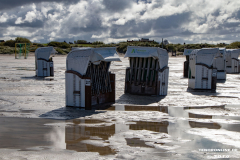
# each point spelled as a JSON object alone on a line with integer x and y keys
{"x": 35, "y": 123}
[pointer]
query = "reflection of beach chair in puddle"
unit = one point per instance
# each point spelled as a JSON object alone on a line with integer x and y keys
{"x": 195, "y": 124}
{"x": 76, "y": 134}
{"x": 202, "y": 75}
{"x": 148, "y": 71}
{"x": 232, "y": 61}
{"x": 208, "y": 125}
{"x": 43, "y": 62}
{"x": 88, "y": 80}
{"x": 151, "y": 126}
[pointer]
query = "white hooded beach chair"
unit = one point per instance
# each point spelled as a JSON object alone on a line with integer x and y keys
{"x": 232, "y": 61}
{"x": 186, "y": 63}
{"x": 43, "y": 63}
{"x": 202, "y": 75}
{"x": 219, "y": 63}
{"x": 148, "y": 71}
{"x": 88, "y": 80}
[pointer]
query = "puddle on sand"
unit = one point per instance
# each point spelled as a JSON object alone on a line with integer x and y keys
{"x": 39, "y": 78}
{"x": 23, "y": 133}
{"x": 17, "y": 111}
{"x": 136, "y": 142}
{"x": 75, "y": 135}
{"x": 25, "y": 68}
{"x": 163, "y": 109}
{"x": 178, "y": 129}
{"x": 150, "y": 126}
{"x": 163, "y": 137}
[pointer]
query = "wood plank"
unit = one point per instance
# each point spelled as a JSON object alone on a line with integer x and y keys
{"x": 143, "y": 69}
{"x": 102, "y": 77}
{"x": 139, "y": 71}
{"x": 135, "y": 70}
{"x": 156, "y": 74}
{"x": 131, "y": 59}
{"x": 148, "y": 70}
{"x": 97, "y": 79}
{"x": 152, "y": 71}
{"x": 105, "y": 77}
{"x": 108, "y": 79}
{"x": 88, "y": 98}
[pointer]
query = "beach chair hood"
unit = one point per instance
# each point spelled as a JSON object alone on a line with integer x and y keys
{"x": 205, "y": 55}
{"x": 187, "y": 52}
{"x": 234, "y": 53}
{"x": 78, "y": 59}
{"x": 155, "y": 52}
{"x": 44, "y": 52}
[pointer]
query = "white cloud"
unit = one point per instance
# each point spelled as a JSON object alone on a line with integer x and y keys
{"x": 165, "y": 10}
{"x": 17, "y": 31}
{"x": 120, "y": 21}
{"x": 45, "y": 9}
{"x": 92, "y": 19}
{"x": 3, "y": 18}
{"x": 36, "y": 38}
{"x": 30, "y": 16}
{"x": 19, "y": 20}
{"x": 233, "y": 20}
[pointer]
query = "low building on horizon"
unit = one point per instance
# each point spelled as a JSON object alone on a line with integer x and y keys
{"x": 141, "y": 40}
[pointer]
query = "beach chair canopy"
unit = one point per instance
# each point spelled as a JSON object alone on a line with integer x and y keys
{"x": 79, "y": 58}
{"x": 205, "y": 55}
{"x": 44, "y": 52}
{"x": 187, "y": 52}
{"x": 74, "y": 48}
{"x": 222, "y": 50}
{"x": 233, "y": 53}
{"x": 155, "y": 52}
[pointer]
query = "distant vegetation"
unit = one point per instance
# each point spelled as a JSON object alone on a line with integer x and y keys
{"x": 80, "y": 42}
{"x": 59, "y": 44}
{"x": 11, "y": 43}
{"x": 8, "y": 47}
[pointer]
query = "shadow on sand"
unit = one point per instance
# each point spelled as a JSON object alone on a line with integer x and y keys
{"x": 66, "y": 113}
{"x": 221, "y": 80}
{"x": 138, "y": 99}
{"x": 38, "y": 78}
{"x": 206, "y": 92}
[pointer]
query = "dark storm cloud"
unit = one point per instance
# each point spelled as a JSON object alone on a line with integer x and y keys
{"x": 186, "y": 33}
{"x": 225, "y": 28}
{"x": 92, "y": 23}
{"x": 173, "y": 21}
{"x": 9, "y": 4}
{"x": 34, "y": 24}
{"x": 237, "y": 14}
{"x": 232, "y": 25}
{"x": 92, "y": 29}
{"x": 162, "y": 26}
{"x": 113, "y": 31}
{"x": 18, "y": 33}
{"x": 107, "y": 20}
{"x": 216, "y": 13}
{"x": 209, "y": 38}
{"x": 2, "y": 31}
{"x": 116, "y": 5}
{"x": 130, "y": 29}
{"x": 84, "y": 36}
{"x": 157, "y": 5}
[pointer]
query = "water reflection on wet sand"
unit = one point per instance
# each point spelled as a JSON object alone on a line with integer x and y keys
{"x": 95, "y": 135}
{"x": 76, "y": 133}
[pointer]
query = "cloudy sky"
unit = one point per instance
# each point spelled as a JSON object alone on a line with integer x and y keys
{"x": 190, "y": 21}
